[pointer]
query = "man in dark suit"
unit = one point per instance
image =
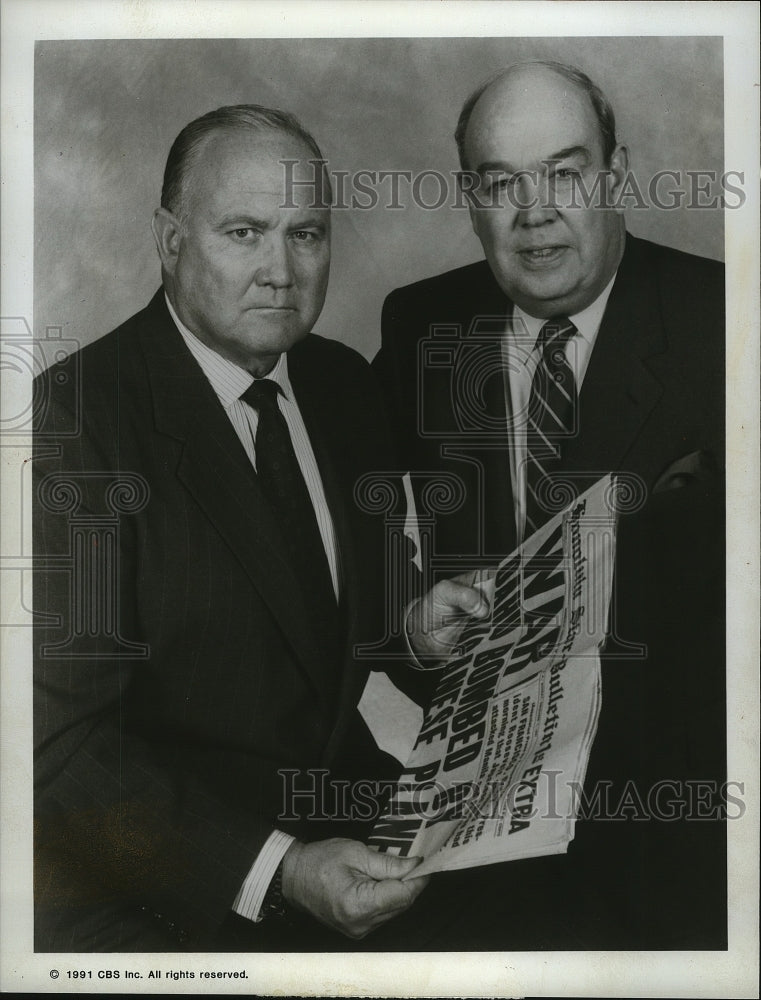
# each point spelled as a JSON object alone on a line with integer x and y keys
{"x": 207, "y": 576}
{"x": 633, "y": 333}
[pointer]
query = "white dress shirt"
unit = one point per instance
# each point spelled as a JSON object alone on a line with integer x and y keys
{"x": 229, "y": 382}
{"x": 521, "y": 355}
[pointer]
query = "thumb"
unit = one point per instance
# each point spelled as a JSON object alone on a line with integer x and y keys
{"x": 383, "y": 866}
{"x": 464, "y": 598}
{"x": 474, "y": 602}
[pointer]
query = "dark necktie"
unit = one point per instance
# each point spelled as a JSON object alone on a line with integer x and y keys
{"x": 552, "y": 419}
{"x": 283, "y": 485}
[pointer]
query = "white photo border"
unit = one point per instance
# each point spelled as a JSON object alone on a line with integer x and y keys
{"x": 728, "y": 974}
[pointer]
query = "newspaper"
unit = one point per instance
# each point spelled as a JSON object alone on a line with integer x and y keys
{"x": 499, "y": 762}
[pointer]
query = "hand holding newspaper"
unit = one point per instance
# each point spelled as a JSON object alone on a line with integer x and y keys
{"x": 499, "y": 762}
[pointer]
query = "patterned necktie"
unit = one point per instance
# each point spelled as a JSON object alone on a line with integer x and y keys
{"x": 552, "y": 419}
{"x": 283, "y": 485}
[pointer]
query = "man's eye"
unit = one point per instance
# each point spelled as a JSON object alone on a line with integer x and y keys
{"x": 243, "y": 233}
{"x": 564, "y": 173}
{"x": 501, "y": 182}
{"x": 304, "y": 236}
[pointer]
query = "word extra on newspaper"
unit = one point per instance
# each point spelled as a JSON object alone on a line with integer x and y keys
{"x": 497, "y": 767}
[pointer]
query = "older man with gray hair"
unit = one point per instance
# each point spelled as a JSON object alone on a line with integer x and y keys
{"x": 196, "y": 677}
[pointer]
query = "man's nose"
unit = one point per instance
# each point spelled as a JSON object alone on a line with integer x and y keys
{"x": 534, "y": 201}
{"x": 275, "y": 266}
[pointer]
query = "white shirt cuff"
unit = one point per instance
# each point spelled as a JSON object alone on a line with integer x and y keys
{"x": 249, "y": 900}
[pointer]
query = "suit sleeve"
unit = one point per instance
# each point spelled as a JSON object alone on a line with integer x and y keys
{"x": 130, "y": 850}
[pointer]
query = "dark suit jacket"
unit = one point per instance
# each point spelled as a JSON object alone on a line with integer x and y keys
{"x": 159, "y": 736}
{"x": 651, "y": 407}
{"x": 652, "y": 394}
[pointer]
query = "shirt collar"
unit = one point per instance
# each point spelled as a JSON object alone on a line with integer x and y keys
{"x": 587, "y": 322}
{"x": 228, "y": 380}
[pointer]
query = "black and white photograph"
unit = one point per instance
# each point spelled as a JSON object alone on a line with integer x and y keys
{"x": 380, "y": 474}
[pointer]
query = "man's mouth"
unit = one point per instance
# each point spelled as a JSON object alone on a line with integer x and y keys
{"x": 542, "y": 255}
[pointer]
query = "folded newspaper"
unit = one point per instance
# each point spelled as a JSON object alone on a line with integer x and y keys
{"x": 498, "y": 765}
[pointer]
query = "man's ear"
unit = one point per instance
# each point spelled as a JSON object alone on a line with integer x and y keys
{"x": 167, "y": 231}
{"x": 619, "y": 168}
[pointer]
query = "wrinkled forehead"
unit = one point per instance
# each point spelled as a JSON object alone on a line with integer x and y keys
{"x": 529, "y": 115}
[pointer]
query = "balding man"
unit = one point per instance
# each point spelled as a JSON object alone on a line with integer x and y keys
{"x": 574, "y": 350}
{"x": 212, "y": 575}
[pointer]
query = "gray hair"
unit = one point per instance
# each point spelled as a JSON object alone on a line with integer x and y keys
{"x": 187, "y": 146}
{"x": 606, "y": 120}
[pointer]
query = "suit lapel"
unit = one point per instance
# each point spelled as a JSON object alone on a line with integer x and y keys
{"x": 489, "y": 325}
{"x": 325, "y": 422}
{"x": 215, "y": 470}
{"x": 619, "y": 390}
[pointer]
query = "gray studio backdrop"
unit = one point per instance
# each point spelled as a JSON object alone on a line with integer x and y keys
{"x": 106, "y": 113}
